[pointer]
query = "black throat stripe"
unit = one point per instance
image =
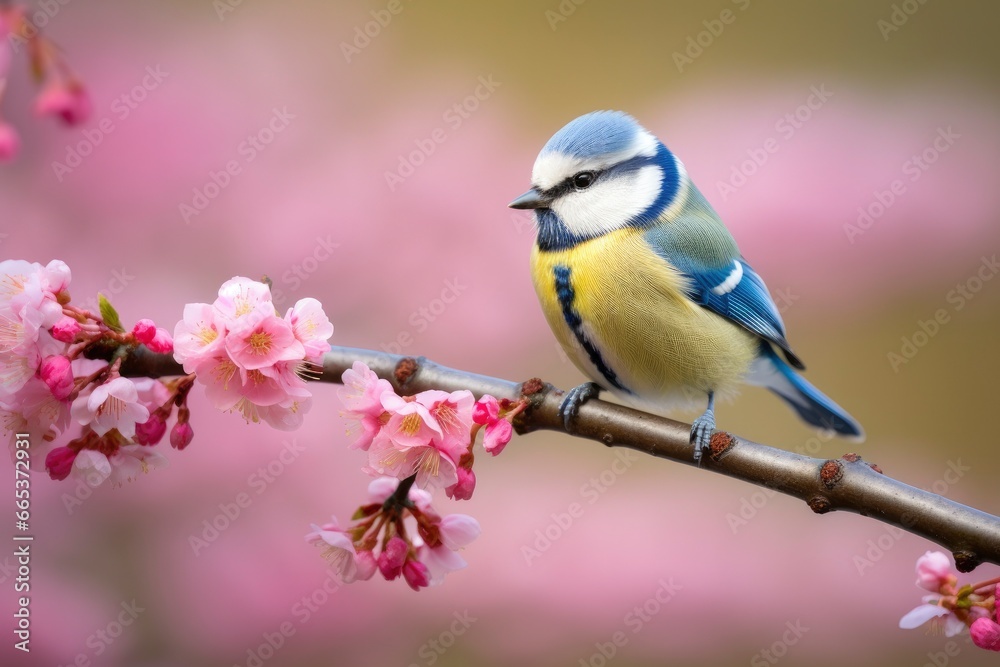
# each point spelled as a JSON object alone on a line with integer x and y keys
{"x": 566, "y": 296}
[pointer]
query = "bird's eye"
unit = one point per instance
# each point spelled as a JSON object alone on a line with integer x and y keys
{"x": 583, "y": 180}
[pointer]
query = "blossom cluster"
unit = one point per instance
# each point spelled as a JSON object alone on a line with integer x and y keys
{"x": 250, "y": 359}
{"x": 422, "y": 553}
{"x": 62, "y": 95}
{"x": 412, "y": 442}
{"x": 92, "y": 422}
{"x": 972, "y": 606}
{"x": 429, "y": 435}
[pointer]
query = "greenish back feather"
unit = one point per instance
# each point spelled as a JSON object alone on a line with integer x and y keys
{"x": 695, "y": 233}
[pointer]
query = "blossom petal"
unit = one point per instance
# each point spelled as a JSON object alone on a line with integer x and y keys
{"x": 953, "y": 625}
{"x": 920, "y": 615}
{"x": 459, "y": 530}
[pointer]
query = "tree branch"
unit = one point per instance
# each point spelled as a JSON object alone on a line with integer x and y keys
{"x": 848, "y": 483}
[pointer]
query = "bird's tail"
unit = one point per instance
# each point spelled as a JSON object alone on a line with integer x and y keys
{"x": 769, "y": 370}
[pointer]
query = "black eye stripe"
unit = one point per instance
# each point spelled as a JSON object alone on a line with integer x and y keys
{"x": 569, "y": 184}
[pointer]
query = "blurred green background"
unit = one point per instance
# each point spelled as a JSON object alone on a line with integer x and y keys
{"x": 315, "y": 209}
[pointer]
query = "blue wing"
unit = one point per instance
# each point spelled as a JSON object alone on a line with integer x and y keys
{"x": 736, "y": 292}
{"x": 727, "y": 286}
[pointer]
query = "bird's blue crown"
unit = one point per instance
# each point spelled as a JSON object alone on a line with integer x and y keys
{"x": 596, "y": 133}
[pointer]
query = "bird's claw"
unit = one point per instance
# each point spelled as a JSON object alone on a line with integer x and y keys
{"x": 576, "y": 397}
{"x": 701, "y": 433}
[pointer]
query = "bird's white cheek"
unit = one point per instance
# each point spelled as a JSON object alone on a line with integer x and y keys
{"x": 610, "y": 203}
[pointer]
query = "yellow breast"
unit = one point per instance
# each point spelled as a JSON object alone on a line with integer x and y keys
{"x": 627, "y": 307}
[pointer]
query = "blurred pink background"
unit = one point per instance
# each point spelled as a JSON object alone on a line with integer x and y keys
{"x": 314, "y": 210}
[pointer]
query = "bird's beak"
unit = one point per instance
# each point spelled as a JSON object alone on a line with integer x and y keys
{"x": 531, "y": 199}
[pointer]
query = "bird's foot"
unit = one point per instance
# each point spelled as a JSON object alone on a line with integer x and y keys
{"x": 576, "y": 397}
{"x": 701, "y": 433}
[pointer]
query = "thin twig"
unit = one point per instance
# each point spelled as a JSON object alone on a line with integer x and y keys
{"x": 848, "y": 483}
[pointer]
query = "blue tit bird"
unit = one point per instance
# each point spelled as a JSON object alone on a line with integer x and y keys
{"x": 645, "y": 288}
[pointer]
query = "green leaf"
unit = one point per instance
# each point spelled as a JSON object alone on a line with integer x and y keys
{"x": 109, "y": 314}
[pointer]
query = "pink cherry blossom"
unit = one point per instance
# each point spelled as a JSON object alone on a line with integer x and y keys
{"x": 410, "y": 423}
{"x": 56, "y": 276}
{"x": 161, "y": 343}
{"x": 198, "y": 336}
{"x": 953, "y": 606}
{"x": 458, "y": 531}
{"x": 453, "y": 413}
{"x": 464, "y": 487}
{"x": 65, "y": 330}
{"x": 239, "y": 297}
{"x": 152, "y": 393}
{"x": 151, "y": 431}
{"x": 411, "y": 441}
{"x": 929, "y": 611}
{"x": 92, "y": 467}
{"x": 311, "y": 327}
{"x": 249, "y": 359}
{"x": 497, "y": 435}
{"x": 288, "y": 415}
{"x": 381, "y": 522}
{"x": 416, "y": 574}
{"x": 432, "y": 466}
{"x": 114, "y": 404}
{"x": 132, "y": 460}
{"x": 440, "y": 560}
{"x": 263, "y": 340}
{"x": 157, "y": 339}
{"x": 28, "y": 292}
{"x": 393, "y": 557}
{"x": 34, "y": 409}
{"x": 380, "y": 488}
{"x": 366, "y": 563}
{"x": 985, "y": 634}
{"x": 498, "y": 430}
{"x": 361, "y": 394}
{"x": 226, "y": 390}
{"x": 288, "y": 375}
{"x": 362, "y": 390}
{"x": 20, "y": 284}
{"x": 144, "y": 330}
{"x": 59, "y": 462}
{"x": 934, "y": 570}
{"x": 338, "y": 550}
{"x": 17, "y": 369}
{"x": 454, "y": 531}
{"x": 181, "y": 435}
{"x": 66, "y": 99}
{"x": 486, "y": 410}
{"x": 57, "y": 373}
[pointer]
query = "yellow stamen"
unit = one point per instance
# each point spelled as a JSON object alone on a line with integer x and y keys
{"x": 256, "y": 377}
{"x": 113, "y": 406}
{"x": 446, "y": 415}
{"x": 411, "y": 424}
{"x": 242, "y": 302}
{"x": 207, "y": 334}
{"x": 13, "y": 284}
{"x": 260, "y": 342}
{"x": 336, "y": 557}
{"x": 430, "y": 462}
{"x": 224, "y": 372}
{"x": 248, "y": 410}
